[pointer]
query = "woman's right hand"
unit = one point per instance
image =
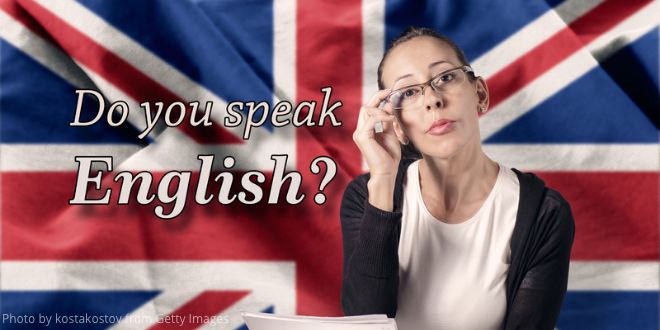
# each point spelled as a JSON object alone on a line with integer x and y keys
{"x": 382, "y": 151}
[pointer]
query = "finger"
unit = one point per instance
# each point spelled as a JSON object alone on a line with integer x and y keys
{"x": 366, "y": 112}
{"x": 372, "y": 121}
{"x": 377, "y": 97}
{"x": 377, "y": 115}
{"x": 362, "y": 117}
{"x": 374, "y": 111}
{"x": 388, "y": 108}
{"x": 381, "y": 116}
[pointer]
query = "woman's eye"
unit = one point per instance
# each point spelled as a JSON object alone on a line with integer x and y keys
{"x": 446, "y": 77}
{"x": 409, "y": 93}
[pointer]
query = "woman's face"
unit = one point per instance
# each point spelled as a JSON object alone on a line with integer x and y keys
{"x": 417, "y": 61}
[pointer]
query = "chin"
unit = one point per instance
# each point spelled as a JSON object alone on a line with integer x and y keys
{"x": 443, "y": 149}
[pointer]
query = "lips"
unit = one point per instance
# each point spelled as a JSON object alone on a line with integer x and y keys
{"x": 441, "y": 126}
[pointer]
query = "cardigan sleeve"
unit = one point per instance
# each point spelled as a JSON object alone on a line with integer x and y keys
{"x": 538, "y": 300}
{"x": 370, "y": 253}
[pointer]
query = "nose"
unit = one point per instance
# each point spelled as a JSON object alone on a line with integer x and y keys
{"x": 434, "y": 100}
{"x": 438, "y": 105}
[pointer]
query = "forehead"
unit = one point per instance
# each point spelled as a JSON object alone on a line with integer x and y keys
{"x": 414, "y": 56}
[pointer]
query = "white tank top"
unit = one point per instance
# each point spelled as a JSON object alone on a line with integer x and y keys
{"x": 452, "y": 276}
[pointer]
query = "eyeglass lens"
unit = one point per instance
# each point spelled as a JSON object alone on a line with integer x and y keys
{"x": 409, "y": 97}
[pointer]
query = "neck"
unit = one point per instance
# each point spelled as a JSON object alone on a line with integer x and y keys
{"x": 466, "y": 177}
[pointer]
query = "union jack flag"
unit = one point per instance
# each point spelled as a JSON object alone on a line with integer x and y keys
{"x": 574, "y": 98}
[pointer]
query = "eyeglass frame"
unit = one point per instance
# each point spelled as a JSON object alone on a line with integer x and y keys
{"x": 464, "y": 68}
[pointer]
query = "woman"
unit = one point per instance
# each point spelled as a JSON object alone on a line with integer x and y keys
{"x": 444, "y": 237}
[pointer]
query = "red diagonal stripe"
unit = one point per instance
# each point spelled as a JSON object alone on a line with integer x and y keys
{"x": 118, "y": 72}
{"x": 604, "y": 17}
{"x": 11, "y": 8}
{"x": 204, "y": 306}
{"x": 560, "y": 46}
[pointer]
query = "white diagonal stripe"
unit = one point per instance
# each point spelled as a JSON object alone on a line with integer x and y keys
{"x": 519, "y": 43}
{"x": 254, "y": 154}
{"x": 531, "y": 35}
{"x": 42, "y": 51}
{"x": 536, "y": 92}
{"x": 564, "y": 73}
{"x": 171, "y": 78}
{"x": 75, "y": 73}
{"x": 571, "y": 10}
{"x": 93, "y": 26}
{"x": 627, "y": 31}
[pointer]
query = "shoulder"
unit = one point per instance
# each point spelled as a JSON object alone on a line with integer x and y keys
{"x": 544, "y": 211}
{"x": 549, "y": 201}
{"x": 554, "y": 201}
{"x": 355, "y": 194}
{"x": 555, "y": 214}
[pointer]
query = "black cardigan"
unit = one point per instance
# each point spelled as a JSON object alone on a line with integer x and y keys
{"x": 541, "y": 244}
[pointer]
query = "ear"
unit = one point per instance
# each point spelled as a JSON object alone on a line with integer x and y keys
{"x": 400, "y": 134}
{"x": 482, "y": 93}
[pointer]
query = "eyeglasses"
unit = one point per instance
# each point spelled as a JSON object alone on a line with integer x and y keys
{"x": 410, "y": 97}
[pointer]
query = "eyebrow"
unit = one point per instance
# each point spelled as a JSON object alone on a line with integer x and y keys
{"x": 410, "y": 75}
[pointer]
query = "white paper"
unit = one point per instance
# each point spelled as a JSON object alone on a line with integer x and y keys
{"x": 266, "y": 321}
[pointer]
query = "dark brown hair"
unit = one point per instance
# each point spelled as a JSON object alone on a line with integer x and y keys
{"x": 409, "y": 150}
{"x": 413, "y": 32}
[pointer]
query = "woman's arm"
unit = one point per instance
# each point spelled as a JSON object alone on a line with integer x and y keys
{"x": 539, "y": 298}
{"x": 371, "y": 265}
